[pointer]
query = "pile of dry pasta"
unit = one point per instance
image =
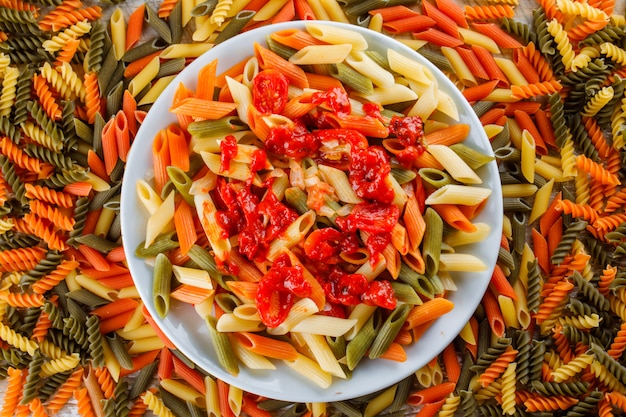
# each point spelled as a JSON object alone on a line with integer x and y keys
{"x": 549, "y": 335}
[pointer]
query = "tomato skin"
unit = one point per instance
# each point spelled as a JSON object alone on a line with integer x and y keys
{"x": 269, "y": 91}
{"x": 228, "y": 151}
{"x": 325, "y": 245}
{"x": 294, "y": 141}
{"x": 278, "y": 289}
{"x": 368, "y": 174}
{"x": 370, "y": 217}
{"x": 409, "y": 130}
{"x": 380, "y": 293}
{"x": 336, "y": 98}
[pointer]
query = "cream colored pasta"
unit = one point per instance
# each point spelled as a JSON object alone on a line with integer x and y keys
{"x": 95, "y": 287}
{"x": 528, "y": 156}
{"x": 339, "y": 181}
{"x": 361, "y": 62}
{"x": 118, "y": 33}
{"x": 310, "y": 370}
{"x": 323, "y": 354}
{"x": 511, "y": 71}
{"x": 321, "y": 54}
{"x": 541, "y": 201}
{"x": 460, "y": 238}
{"x": 458, "y": 194}
{"x": 183, "y": 391}
{"x": 460, "y": 262}
{"x": 250, "y": 359}
{"x": 460, "y": 68}
{"x": 324, "y": 325}
{"x": 161, "y": 220}
{"x": 337, "y": 35}
{"x": 453, "y": 163}
{"x": 185, "y": 50}
{"x": 156, "y": 90}
{"x": 471, "y": 37}
{"x": 144, "y": 77}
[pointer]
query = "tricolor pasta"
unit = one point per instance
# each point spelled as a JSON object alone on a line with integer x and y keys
{"x": 316, "y": 218}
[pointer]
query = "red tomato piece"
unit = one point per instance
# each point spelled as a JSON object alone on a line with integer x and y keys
{"x": 368, "y": 174}
{"x": 278, "y": 289}
{"x": 380, "y": 293}
{"x": 269, "y": 91}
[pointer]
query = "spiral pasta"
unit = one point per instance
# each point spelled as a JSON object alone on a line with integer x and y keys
{"x": 583, "y": 10}
{"x": 488, "y": 12}
{"x": 85, "y": 409}
{"x": 22, "y": 300}
{"x": 614, "y": 52}
{"x": 568, "y": 158}
{"x": 563, "y": 44}
{"x": 40, "y": 229}
{"x": 17, "y": 340}
{"x": 47, "y": 101}
{"x": 9, "y": 87}
{"x": 92, "y": 96}
{"x": 20, "y": 259}
{"x": 72, "y": 80}
{"x": 598, "y": 101}
{"x": 75, "y": 31}
{"x": 508, "y": 389}
{"x": 155, "y": 404}
{"x": 57, "y": 81}
{"x": 13, "y": 392}
{"x": 95, "y": 341}
{"x": 38, "y": 135}
{"x": 596, "y": 171}
{"x": 67, "y": 52}
{"x": 48, "y": 195}
{"x": 20, "y": 159}
{"x": 48, "y": 281}
{"x": 53, "y": 214}
{"x": 166, "y": 7}
{"x": 497, "y": 367}
{"x": 556, "y": 402}
{"x": 535, "y": 89}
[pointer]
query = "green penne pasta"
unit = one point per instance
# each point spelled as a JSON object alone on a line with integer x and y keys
{"x": 162, "y": 284}
{"x": 279, "y": 49}
{"x": 177, "y": 406}
{"x": 515, "y": 204}
{"x": 296, "y": 199}
{"x": 227, "y": 302}
{"x": 481, "y": 107}
{"x": 170, "y": 67}
{"x": 431, "y": 248}
{"x": 219, "y": 127}
{"x": 159, "y": 25}
{"x": 223, "y": 349}
{"x": 144, "y": 49}
{"x": 435, "y": 177}
{"x": 501, "y": 139}
{"x": 96, "y": 242}
{"x": 119, "y": 350}
{"x": 351, "y": 78}
{"x": 389, "y": 330}
{"x": 507, "y": 153}
{"x": 203, "y": 9}
{"x": 87, "y": 298}
{"x": 403, "y": 175}
{"x": 419, "y": 282}
{"x": 235, "y": 25}
{"x": 175, "y": 21}
{"x": 472, "y": 157}
{"x": 405, "y": 293}
{"x": 436, "y": 58}
{"x": 162, "y": 243}
{"x": 356, "y": 348}
{"x": 204, "y": 260}
{"x": 143, "y": 379}
{"x": 182, "y": 182}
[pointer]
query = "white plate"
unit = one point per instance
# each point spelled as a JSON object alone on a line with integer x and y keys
{"x": 188, "y": 331}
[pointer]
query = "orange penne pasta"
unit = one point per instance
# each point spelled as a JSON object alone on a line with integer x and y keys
{"x": 530, "y": 107}
{"x": 525, "y": 122}
{"x": 109, "y": 146}
{"x": 117, "y": 282}
{"x": 268, "y": 59}
{"x": 393, "y": 12}
{"x": 184, "y": 224}
{"x": 285, "y": 14}
{"x": 452, "y": 215}
{"x": 546, "y": 130}
{"x": 122, "y": 135}
{"x": 116, "y": 255}
{"x": 414, "y": 23}
{"x": 140, "y": 361}
{"x": 203, "y": 109}
{"x": 501, "y": 284}
{"x": 244, "y": 290}
{"x": 97, "y": 165}
{"x": 490, "y": 65}
{"x": 165, "y": 370}
{"x": 206, "y": 81}
{"x": 395, "y": 353}
{"x": 190, "y": 294}
{"x": 493, "y": 313}
{"x": 191, "y": 376}
{"x": 473, "y": 63}
{"x": 428, "y": 311}
{"x": 81, "y": 189}
{"x": 115, "y": 307}
{"x": 137, "y": 65}
{"x": 500, "y": 37}
{"x": 554, "y": 236}
{"x": 265, "y": 346}
{"x": 451, "y": 363}
{"x": 438, "y": 37}
{"x": 115, "y": 322}
{"x": 299, "y": 106}
{"x": 94, "y": 258}
{"x": 180, "y": 94}
{"x": 129, "y": 107}
{"x": 491, "y": 116}
{"x": 294, "y": 38}
{"x": 178, "y": 147}
{"x": 431, "y": 394}
{"x": 426, "y": 160}
{"x": 448, "y": 135}
{"x": 445, "y": 23}
{"x": 414, "y": 222}
{"x": 322, "y": 82}
{"x": 526, "y": 67}
{"x": 454, "y": 11}
{"x": 247, "y": 270}
{"x": 368, "y": 126}
{"x": 134, "y": 27}
{"x": 480, "y": 91}
{"x": 98, "y": 274}
{"x": 161, "y": 160}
